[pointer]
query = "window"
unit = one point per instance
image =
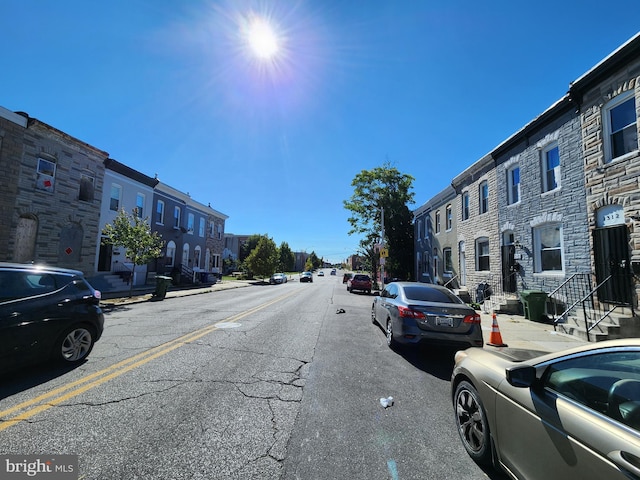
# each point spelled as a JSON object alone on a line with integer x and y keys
{"x": 513, "y": 185}
{"x": 212, "y": 228}
{"x": 86, "y": 188}
{"x": 482, "y": 254}
{"x": 171, "y": 254}
{"x": 176, "y": 217}
{"x": 550, "y": 168}
{"x": 449, "y": 218}
{"x": 114, "y": 201}
{"x": 595, "y": 381}
{"x": 621, "y": 126}
{"x": 448, "y": 260}
{"x": 437, "y": 222}
{"x": 548, "y": 248}
{"x": 220, "y": 231}
{"x": 140, "y": 205}
{"x": 483, "y": 195}
{"x": 160, "y": 212}
{"x": 465, "y": 205}
{"x": 191, "y": 221}
{"x": 201, "y": 227}
{"x": 46, "y": 175}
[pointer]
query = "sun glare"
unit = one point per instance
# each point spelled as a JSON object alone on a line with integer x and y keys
{"x": 262, "y": 39}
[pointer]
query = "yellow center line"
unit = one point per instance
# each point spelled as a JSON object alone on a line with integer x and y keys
{"x": 116, "y": 370}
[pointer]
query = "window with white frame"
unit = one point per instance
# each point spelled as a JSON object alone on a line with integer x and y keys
{"x": 212, "y": 228}
{"x": 160, "y": 212}
{"x": 513, "y": 185}
{"x": 46, "y": 174}
{"x": 176, "y": 217}
{"x": 550, "y": 168}
{"x": 482, "y": 254}
{"x": 547, "y": 242}
{"x": 140, "y": 205}
{"x": 219, "y": 231}
{"x": 465, "y": 205}
{"x": 171, "y": 254}
{"x": 438, "y": 221}
{"x": 449, "y": 217}
{"x": 448, "y": 260}
{"x": 201, "y": 227}
{"x": 114, "y": 200}
{"x": 191, "y": 223}
{"x": 621, "y": 126}
{"x": 483, "y": 197}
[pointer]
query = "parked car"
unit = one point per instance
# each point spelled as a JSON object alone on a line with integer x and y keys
{"x": 333, "y": 271}
{"x": 414, "y": 312}
{"x": 359, "y": 282}
{"x": 346, "y": 277}
{"x": 569, "y": 414}
{"x": 278, "y": 278}
{"x": 46, "y": 313}
{"x": 306, "y": 277}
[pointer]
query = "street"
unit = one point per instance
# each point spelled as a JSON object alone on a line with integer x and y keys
{"x": 263, "y": 382}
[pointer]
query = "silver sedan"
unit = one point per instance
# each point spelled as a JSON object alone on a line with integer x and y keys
{"x": 414, "y": 313}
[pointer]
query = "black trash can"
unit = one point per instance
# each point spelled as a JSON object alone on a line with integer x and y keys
{"x": 162, "y": 285}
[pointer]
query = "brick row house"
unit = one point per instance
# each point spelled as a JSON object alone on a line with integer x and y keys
{"x": 551, "y": 209}
{"x": 58, "y": 193}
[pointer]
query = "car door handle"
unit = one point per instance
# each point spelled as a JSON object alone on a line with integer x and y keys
{"x": 626, "y": 461}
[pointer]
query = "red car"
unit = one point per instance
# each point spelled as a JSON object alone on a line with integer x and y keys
{"x": 359, "y": 282}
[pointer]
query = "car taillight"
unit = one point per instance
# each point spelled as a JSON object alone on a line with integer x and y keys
{"x": 410, "y": 313}
{"x": 473, "y": 318}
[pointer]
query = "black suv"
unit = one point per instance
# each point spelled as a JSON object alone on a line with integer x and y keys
{"x": 46, "y": 313}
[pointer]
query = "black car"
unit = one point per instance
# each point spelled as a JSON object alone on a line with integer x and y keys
{"x": 46, "y": 313}
{"x": 306, "y": 277}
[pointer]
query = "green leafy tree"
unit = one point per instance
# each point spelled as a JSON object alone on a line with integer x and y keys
{"x": 385, "y": 188}
{"x": 286, "y": 258}
{"x": 263, "y": 259}
{"x": 135, "y": 236}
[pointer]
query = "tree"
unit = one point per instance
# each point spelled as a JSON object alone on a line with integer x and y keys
{"x": 385, "y": 188}
{"x": 263, "y": 259}
{"x": 133, "y": 234}
{"x": 286, "y": 258}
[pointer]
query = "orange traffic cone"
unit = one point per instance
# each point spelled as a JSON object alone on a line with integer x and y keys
{"x": 495, "y": 339}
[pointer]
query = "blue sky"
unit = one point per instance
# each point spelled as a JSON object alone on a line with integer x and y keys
{"x": 171, "y": 87}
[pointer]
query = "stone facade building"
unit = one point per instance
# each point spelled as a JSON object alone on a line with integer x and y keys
{"x": 51, "y": 195}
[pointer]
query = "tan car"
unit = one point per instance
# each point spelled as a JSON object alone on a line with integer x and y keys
{"x": 570, "y": 414}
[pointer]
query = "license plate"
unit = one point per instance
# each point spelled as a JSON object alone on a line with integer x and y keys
{"x": 444, "y": 321}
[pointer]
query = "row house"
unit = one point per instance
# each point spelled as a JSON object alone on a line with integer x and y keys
{"x": 50, "y": 194}
{"x": 58, "y": 193}
{"x": 556, "y": 201}
{"x": 194, "y": 234}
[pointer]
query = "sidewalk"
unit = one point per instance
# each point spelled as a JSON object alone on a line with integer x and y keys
{"x": 518, "y": 332}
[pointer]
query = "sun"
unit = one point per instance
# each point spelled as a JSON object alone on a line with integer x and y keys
{"x": 262, "y": 39}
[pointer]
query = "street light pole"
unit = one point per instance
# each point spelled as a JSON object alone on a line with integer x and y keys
{"x": 382, "y": 259}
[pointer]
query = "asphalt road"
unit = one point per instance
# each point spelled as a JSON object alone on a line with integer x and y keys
{"x": 263, "y": 382}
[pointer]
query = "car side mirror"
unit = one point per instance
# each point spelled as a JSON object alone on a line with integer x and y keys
{"x": 521, "y": 376}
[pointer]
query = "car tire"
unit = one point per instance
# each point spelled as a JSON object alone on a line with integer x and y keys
{"x": 472, "y": 424}
{"x": 392, "y": 343}
{"x": 74, "y": 345}
{"x": 373, "y": 314}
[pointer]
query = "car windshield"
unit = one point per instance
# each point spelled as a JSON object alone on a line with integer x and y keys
{"x": 428, "y": 294}
{"x": 363, "y": 278}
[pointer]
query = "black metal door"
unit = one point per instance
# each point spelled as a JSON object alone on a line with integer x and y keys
{"x": 509, "y": 271}
{"x": 611, "y": 254}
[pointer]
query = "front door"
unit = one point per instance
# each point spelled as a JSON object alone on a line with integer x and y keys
{"x": 509, "y": 271}
{"x": 611, "y": 253}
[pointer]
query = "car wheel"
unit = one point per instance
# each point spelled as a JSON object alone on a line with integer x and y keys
{"x": 472, "y": 423}
{"x": 74, "y": 345}
{"x": 391, "y": 340}
{"x": 373, "y": 314}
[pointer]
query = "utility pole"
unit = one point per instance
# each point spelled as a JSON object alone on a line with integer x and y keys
{"x": 382, "y": 259}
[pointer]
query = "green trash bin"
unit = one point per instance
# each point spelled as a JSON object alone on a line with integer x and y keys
{"x": 534, "y": 303}
{"x": 162, "y": 285}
